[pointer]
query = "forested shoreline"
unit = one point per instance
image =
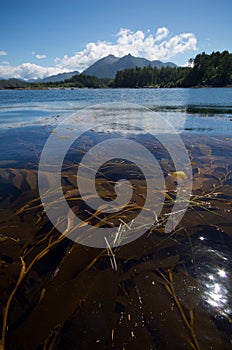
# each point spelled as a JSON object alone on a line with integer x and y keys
{"x": 205, "y": 70}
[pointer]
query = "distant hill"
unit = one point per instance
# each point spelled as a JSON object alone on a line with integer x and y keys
{"x": 160, "y": 64}
{"x": 56, "y": 78}
{"x": 108, "y": 66}
{"x": 208, "y": 70}
{"x": 12, "y": 83}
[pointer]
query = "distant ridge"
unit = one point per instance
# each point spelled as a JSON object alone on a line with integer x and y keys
{"x": 56, "y": 78}
{"x": 108, "y": 66}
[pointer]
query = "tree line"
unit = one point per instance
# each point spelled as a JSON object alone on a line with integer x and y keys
{"x": 77, "y": 81}
{"x": 210, "y": 70}
{"x": 150, "y": 77}
{"x": 213, "y": 69}
{"x": 207, "y": 70}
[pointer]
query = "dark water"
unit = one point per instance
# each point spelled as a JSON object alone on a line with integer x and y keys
{"x": 162, "y": 291}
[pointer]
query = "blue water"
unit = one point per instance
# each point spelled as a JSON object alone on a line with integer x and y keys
{"x": 153, "y": 97}
{"x": 202, "y": 247}
{"x": 26, "y": 107}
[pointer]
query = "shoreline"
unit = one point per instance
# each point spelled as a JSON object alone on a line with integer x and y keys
{"x": 117, "y": 88}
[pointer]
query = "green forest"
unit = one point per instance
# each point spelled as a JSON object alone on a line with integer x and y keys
{"x": 207, "y": 70}
{"x": 212, "y": 70}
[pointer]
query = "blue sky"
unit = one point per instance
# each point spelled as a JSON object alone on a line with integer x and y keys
{"x": 40, "y": 38}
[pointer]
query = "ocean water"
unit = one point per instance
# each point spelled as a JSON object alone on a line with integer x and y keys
{"x": 164, "y": 290}
{"x": 193, "y": 110}
{"x": 153, "y": 97}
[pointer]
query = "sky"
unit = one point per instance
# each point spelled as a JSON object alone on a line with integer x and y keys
{"x": 42, "y": 38}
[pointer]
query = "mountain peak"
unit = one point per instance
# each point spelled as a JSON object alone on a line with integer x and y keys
{"x": 108, "y": 66}
{"x": 110, "y": 56}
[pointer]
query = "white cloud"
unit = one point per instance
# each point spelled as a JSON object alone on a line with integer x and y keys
{"x": 3, "y": 53}
{"x": 28, "y": 71}
{"x": 161, "y": 33}
{"x": 189, "y": 63}
{"x": 159, "y": 46}
{"x": 38, "y": 55}
{"x": 5, "y": 62}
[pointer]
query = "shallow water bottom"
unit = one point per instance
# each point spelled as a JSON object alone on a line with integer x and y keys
{"x": 161, "y": 291}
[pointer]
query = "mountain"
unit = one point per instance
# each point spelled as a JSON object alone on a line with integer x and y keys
{"x": 56, "y": 78}
{"x": 103, "y": 68}
{"x": 159, "y": 64}
{"x": 108, "y": 66}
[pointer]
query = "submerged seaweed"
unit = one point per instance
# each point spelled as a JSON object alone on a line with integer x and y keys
{"x": 162, "y": 291}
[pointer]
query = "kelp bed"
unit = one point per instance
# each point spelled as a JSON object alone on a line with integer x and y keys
{"x": 162, "y": 291}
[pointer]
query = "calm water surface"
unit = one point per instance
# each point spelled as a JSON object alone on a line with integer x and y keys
{"x": 153, "y": 97}
{"x": 21, "y": 107}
